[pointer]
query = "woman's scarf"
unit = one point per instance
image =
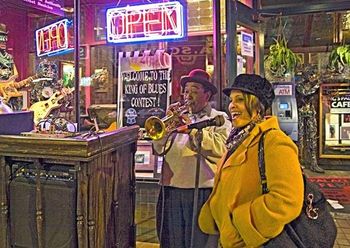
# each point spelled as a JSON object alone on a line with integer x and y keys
{"x": 237, "y": 136}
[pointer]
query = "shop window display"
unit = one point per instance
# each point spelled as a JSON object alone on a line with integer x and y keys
{"x": 43, "y": 89}
{"x": 334, "y": 121}
{"x": 9, "y": 88}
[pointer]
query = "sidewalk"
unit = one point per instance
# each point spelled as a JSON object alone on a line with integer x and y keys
{"x": 343, "y": 226}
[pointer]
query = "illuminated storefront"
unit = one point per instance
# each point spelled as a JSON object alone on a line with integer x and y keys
{"x": 107, "y": 28}
{"x": 129, "y": 56}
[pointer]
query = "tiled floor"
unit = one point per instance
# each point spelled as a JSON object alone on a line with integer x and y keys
{"x": 146, "y": 199}
{"x": 343, "y": 226}
{"x": 147, "y": 194}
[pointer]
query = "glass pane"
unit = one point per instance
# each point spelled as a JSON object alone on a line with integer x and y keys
{"x": 302, "y": 30}
{"x": 39, "y": 43}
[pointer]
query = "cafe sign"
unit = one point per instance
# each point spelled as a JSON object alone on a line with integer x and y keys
{"x": 148, "y": 22}
{"x": 340, "y": 104}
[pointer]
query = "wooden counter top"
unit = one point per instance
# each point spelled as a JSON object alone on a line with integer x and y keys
{"x": 71, "y": 148}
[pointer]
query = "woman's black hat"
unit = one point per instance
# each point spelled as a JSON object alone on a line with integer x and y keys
{"x": 253, "y": 84}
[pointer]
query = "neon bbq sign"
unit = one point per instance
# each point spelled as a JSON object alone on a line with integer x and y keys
{"x": 53, "y": 39}
{"x": 145, "y": 22}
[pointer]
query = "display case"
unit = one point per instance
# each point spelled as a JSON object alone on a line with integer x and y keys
{"x": 334, "y": 121}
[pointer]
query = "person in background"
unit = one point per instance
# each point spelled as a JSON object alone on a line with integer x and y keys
{"x": 8, "y": 75}
{"x": 8, "y": 70}
{"x": 176, "y": 199}
{"x": 236, "y": 209}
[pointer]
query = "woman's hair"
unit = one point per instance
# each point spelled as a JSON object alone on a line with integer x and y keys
{"x": 252, "y": 102}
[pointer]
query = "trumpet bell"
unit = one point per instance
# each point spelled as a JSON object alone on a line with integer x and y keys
{"x": 155, "y": 128}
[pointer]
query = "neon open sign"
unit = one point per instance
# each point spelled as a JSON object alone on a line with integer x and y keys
{"x": 145, "y": 22}
{"x": 53, "y": 39}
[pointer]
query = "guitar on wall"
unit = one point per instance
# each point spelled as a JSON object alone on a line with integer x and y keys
{"x": 9, "y": 90}
{"x": 113, "y": 125}
{"x": 42, "y": 109}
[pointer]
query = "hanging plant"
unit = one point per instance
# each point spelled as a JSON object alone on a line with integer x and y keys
{"x": 280, "y": 59}
{"x": 339, "y": 58}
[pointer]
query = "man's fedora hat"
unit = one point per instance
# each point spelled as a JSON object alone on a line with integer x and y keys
{"x": 3, "y": 29}
{"x": 255, "y": 85}
{"x": 199, "y": 76}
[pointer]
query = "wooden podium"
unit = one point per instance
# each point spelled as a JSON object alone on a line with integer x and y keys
{"x": 68, "y": 192}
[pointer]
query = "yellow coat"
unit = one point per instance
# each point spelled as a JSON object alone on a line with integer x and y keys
{"x": 237, "y": 209}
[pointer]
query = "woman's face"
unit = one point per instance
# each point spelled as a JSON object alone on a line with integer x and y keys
{"x": 238, "y": 110}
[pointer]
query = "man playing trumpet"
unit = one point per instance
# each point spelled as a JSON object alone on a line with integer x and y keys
{"x": 176, "y": 199}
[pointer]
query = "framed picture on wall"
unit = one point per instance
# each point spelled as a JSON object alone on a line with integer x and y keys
{"x": 331, "y": 128}
{"x": 67, "y": 73}
{"x": 345, "y": 133}
{"x": 346, "y": 120}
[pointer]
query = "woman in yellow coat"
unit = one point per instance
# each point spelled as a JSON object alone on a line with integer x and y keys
{"x": 236, "y": 209}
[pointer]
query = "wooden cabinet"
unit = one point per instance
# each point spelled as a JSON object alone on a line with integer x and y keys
{"x": 68, "y": 192}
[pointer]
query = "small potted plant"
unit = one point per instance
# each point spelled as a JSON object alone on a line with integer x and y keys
{"x": 339, "y": 58}
{"x": 280, "y": 61}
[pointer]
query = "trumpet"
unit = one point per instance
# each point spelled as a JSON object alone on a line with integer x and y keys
{"x": 157, "y": 128}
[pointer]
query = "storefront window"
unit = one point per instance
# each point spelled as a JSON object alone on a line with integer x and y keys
{"x": 40, "y": 44}
{"x": 200, "y": 15}
{"x": 302, "y": 30}
{"x": 100, "y": 23}
{"x": 345, "y": 26}
{"x": 334, "y": 121}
